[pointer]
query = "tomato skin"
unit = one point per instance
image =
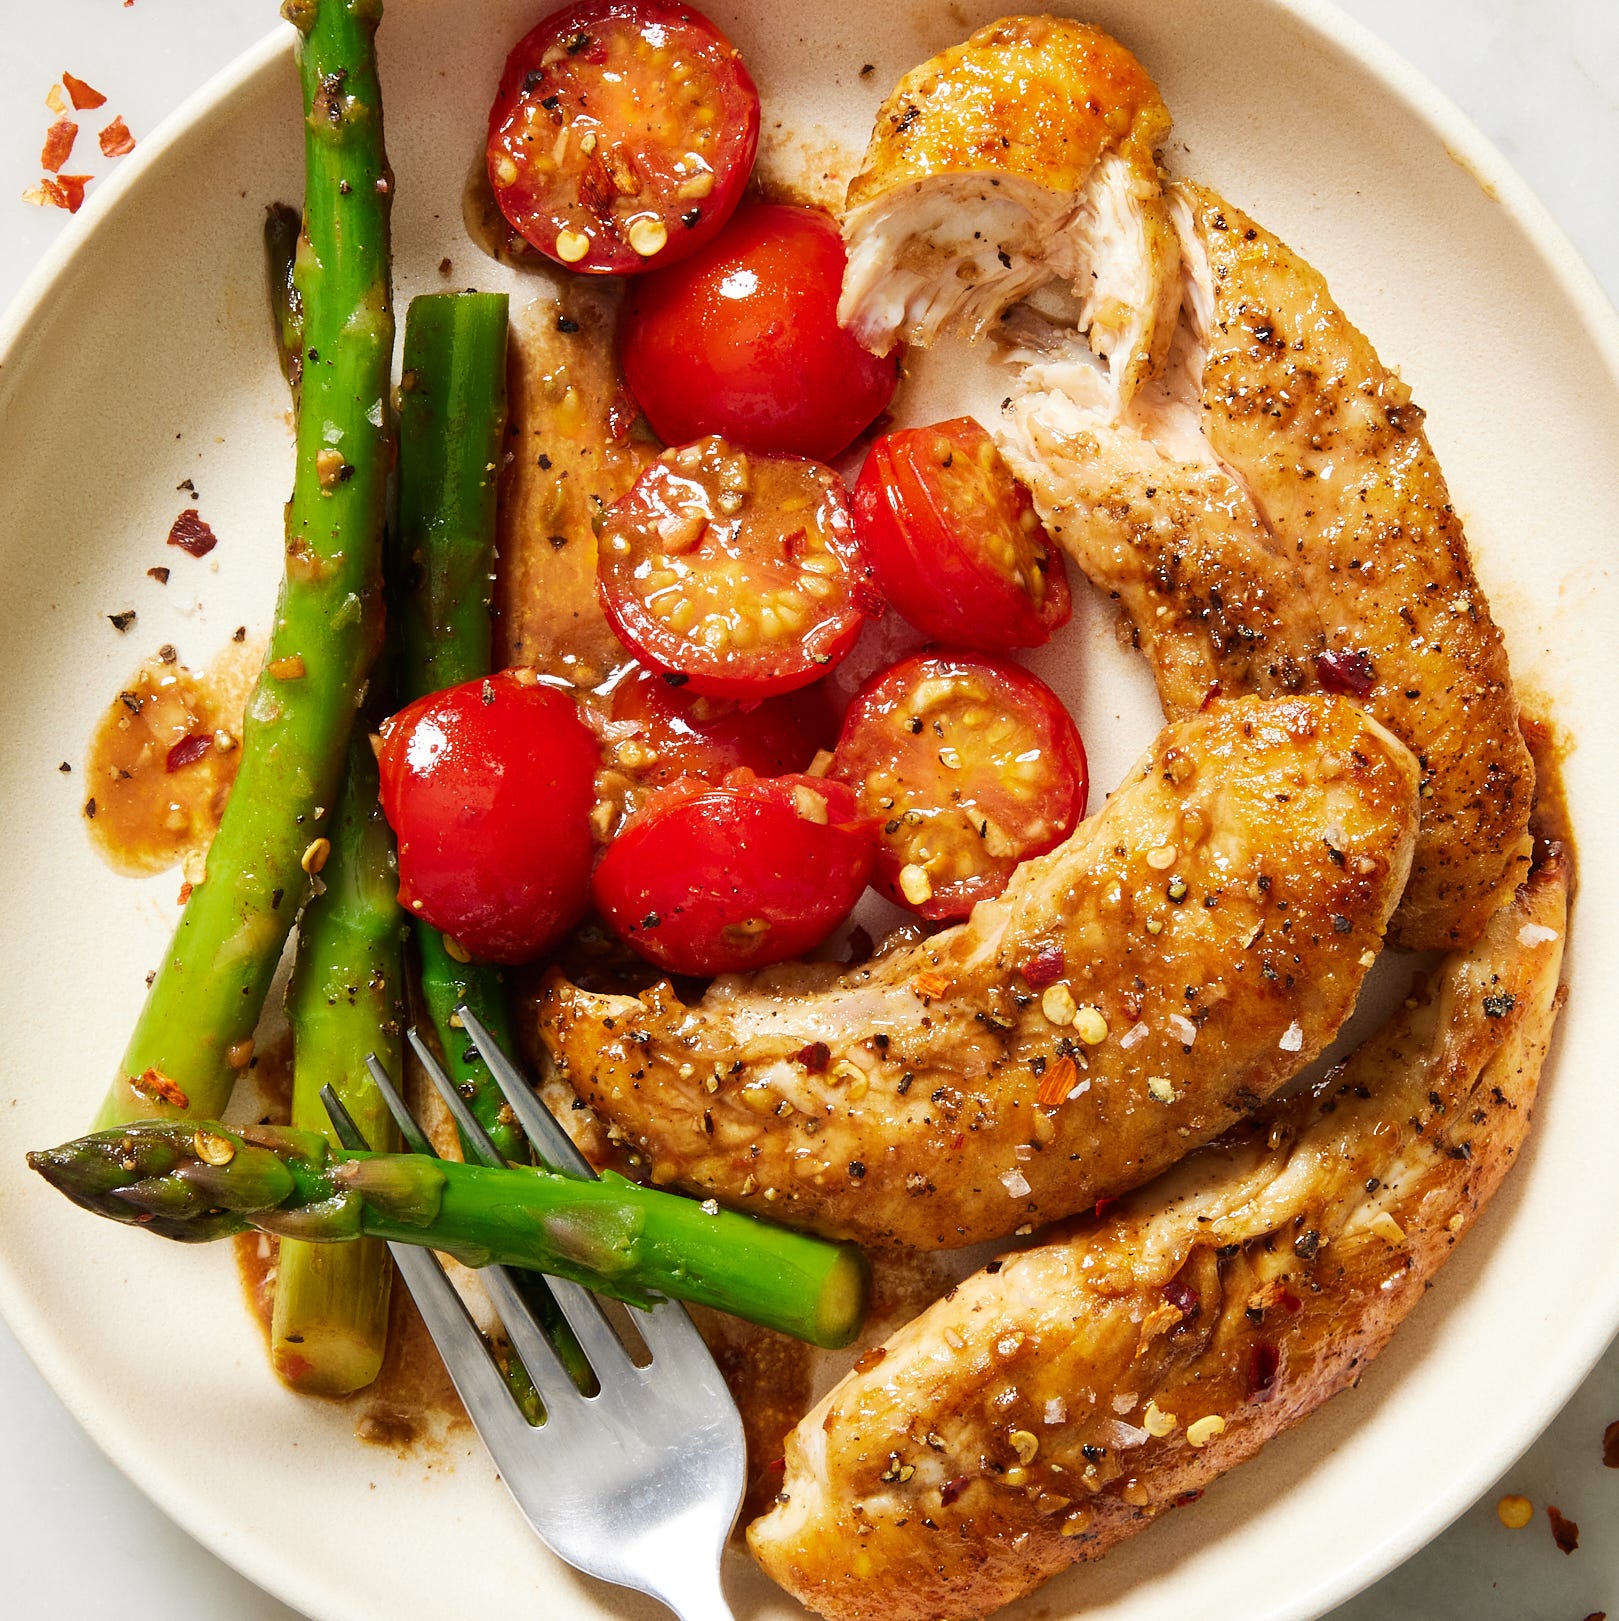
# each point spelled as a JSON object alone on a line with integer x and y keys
{"x": 742, "y": 339}
{"x": 931, "y": 553}
{"x": 690, "y": 554}
{"x": 590, "y": 70}
{"x": 488, "y": 787}
{"x": 919, "y": 751}
{"x": 716, "y": 880}
{"x": 662, "y": 731}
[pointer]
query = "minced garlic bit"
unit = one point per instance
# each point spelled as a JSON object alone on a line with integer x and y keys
{"x": 1016, "y": 1183}
{"x": 914, "y": 884}
{"x": 1155, "y": 925}
{"x": 1161, "y": 1088}
{"x": 1203, "y": 1430}
{"x": 1057, "y": 1003}
{"x": 1134, "y": 1036}
{"x": 811, "y": 806}
{"x": 1535, "y": 934}
{"x": 1163, "y": 858}
{"x": 1090, "y": 1026}
{"x": 314, "y": 857}
{"x": 710, "y": 1207}
{"x": 1514, "y": 1512}
{"x": 1292, "y": 1039}
{"x": 572, "y": 246}
{"x": 1157, "y": 1422}
{"x": 1025, "y": 1443}
{"x": 1387, "y": 1228}
{"x": 1056, "y": 1411}
{"x": 1368, "y": 957}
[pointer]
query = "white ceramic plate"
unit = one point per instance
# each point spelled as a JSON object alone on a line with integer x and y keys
{"x": 139, "y": 356}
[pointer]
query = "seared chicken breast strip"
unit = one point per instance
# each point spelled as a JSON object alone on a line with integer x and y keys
{"x": 1026, "y": 153}
{"x": 1185, "y": 952}
{"x": 1064, "y": 1397}
{"x": 570, "y": 454}
{"x": 1270, "y": 516}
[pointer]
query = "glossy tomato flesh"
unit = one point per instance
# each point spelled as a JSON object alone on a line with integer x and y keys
{"x": 953, "y": 541}
{"x": 742, "y": 339}
{"x": 622, "y": 134}
{"x": 714, "y": 880}
{"x": 658, "y": 730}
{"x": 970, "y": 765}
{"x": 737, "y": 571}
{"x": 488, "y": 787}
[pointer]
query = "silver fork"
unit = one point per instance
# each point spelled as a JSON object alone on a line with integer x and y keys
{"x": 638, "y": 1483}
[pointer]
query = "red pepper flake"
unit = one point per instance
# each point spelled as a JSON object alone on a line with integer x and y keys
{"x": 1610, "y": 1445}
{"x": 185, "y": 893}
{"x": 191, "y": 534}
{"x": 621, "y": 414}
{"x": 815, "y": 1057}
{"x": 1211, "y": 695}
{"x": 1183, "y": 1297}
{"x": 59, "y": 139}
{"x": 115, "y": 139}
{"x": 953, "y": 1488}
{"x": 1263, "y": 1361}
{"x": 188, "y": 750}
{"x": 1350, "y": 671}
{"x": 1188, "y": 1497}
{"x": 1103, "y": 1206}
{"x": 82, "y": 95}
{"x": 153, "y": 1083}
{"x": 1045, "y": 969}
{"x": 1565, "y": 1533}
{"x": 958, "y": 1142}
{"x": 1056, "y": 1083}
{"x": 776, "y": 1466}
{"x": 71, "y": 187}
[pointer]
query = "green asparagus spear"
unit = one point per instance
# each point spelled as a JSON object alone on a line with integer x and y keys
{"x": 195, "y": 1182}
{"x": 452, "y": 419}
{"x": 199, "y": 1015}
{"x": 329, "y": 1327}
{"x": 282, "y": 227}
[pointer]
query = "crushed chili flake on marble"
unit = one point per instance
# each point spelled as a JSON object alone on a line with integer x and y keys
{"x": 191, "y": 534}
{"x": 83, "y": 96}
{"x": 115, "y": 139}
{"x": 59, "y": 139}
{"x": 1565, "y": 1533}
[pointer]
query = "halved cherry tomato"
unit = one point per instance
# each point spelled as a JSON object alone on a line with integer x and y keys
{"x": 489, "y": 788}
{"x": 743, "y": 339}
{"x": 622, "y": 134}
{"x": 971, "y": 764}
{"x": 953, "y": 541}
{"x": 713, "y": 880}
{"x": 736, "y": 571}
{"x": 658, "y": 731}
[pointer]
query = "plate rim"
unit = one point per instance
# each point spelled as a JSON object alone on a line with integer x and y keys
{"x": 1466, "y": 145}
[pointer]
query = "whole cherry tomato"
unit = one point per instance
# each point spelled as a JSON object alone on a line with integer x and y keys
{"x": 738, "y": 571}
{"x": 713, "y": 880}
{"x": 489, "y": 787}
{"x": 742, "y": 339}
{"x": 970, "y": 765}
{"x": 953, "y": 541}
{"x": 622, "y": 134}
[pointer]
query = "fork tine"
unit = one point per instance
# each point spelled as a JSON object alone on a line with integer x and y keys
{"x": 472, "y": 1133}
{"x": 601, "y": 1345}
{"x": 672, "y": 1338}
{"x": 343, "y": 1126}
{"x": 415, "y": 1138}
{"x": 554, "y": 1146}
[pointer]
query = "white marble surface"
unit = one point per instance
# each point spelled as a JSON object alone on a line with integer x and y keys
{"x": 1541, "y": 77}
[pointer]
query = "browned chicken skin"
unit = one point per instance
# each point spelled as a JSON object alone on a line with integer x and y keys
{"x": 1183, "y": 953}
{"x": 1063, "y": 1398}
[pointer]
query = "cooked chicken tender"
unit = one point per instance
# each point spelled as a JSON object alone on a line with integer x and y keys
{"x": 1185, "y": 952}
{"x": 1328, "y": 442}
{"x": 1270, "y": 517}
{"x": 1064, "y": 1397}
{"x": 570, "y": 455}
{"x": 1026, "y": 153}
